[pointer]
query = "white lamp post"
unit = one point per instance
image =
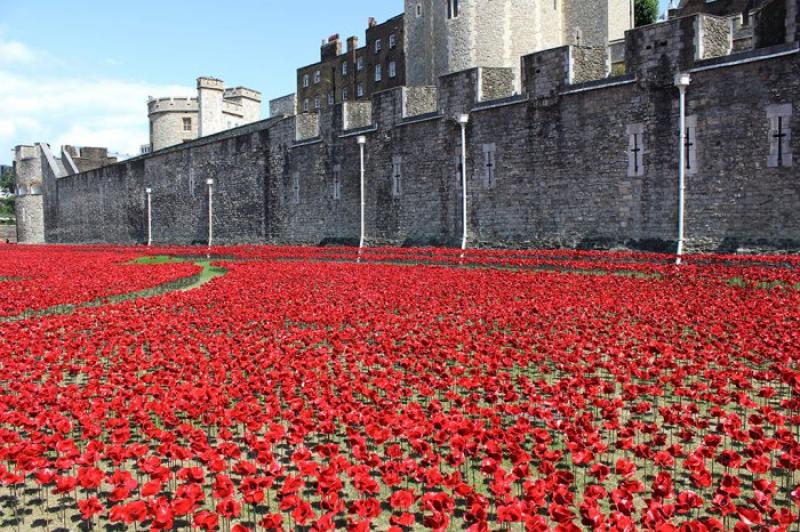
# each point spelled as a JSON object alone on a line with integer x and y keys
{"x": 149, "y": 192}
{"x": 210, "y": 183}
{"x": 463, "y": 120}
{"x": 362, "y": 141}
{"x": 682, "y": 81}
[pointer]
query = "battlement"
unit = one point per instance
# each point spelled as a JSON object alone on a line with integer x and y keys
{"x": 242, "y": 92}
{"x": 283, "y": 106}
{"x": 210, "y": 83}
{"x": 172, "y": 105}
{"x": 25, "y": 152}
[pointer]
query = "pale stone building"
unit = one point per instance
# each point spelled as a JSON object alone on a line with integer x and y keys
{"x": 446, "y": 36}
{"x": 177, "y": 120}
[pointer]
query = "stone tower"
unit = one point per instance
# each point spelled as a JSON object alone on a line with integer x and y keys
{"x": 174, "y": 121}
{"x": 446, "y": 36}
{"x": 210, "y": 95}
{"x": 29, "y": 207}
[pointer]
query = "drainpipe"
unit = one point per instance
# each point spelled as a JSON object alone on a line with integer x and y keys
{"x": 682, "y": 81}
{"x": 463, "y": 120}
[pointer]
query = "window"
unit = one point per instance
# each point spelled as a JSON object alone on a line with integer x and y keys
{"x": 344, "y": 94}
{"x": 344, "y": 68}
{"x": 489, "y": 165}
{"x": 317, "y": 102}
{"x": 305, "y": 80}
{"x": 690, "y": 145}
{"x": 419, "y": 10}
{"x": 392, "y": 69}
{"x": 378, "y": 72}
{"x": 360, "y": 64}
{"x": 392, "y": 41}
{"x": 331, "y": 98}
{"x": 337, "y": 182}
{"x": 780, "y": 135}
{"x": 296, "y": 189}
{"x": 305, "y": 104}
{"x": 452, "y": 8}
{"x": 360, "y": 90}
{"x": 316, "y": 77}
{"x": 378, "y": 45}
{"x": 458, "y": 166}
{"x": 397, "y": 176}
{"x": 187, "y": 124}
{"x": 636, "y": 150}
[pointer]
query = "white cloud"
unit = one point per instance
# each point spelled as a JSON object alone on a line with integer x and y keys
{"x": 83, "y": 112}
{"x": 40, "y": 101}
{"x": 13, "y": 52}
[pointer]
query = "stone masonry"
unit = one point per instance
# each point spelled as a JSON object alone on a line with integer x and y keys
{"x": 548, "y": 167}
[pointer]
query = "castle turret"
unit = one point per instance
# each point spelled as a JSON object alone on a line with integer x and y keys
{"x": 172, "y": 121}
{"x": 454, "y": 35}
{"x": 210, "y": 95}
{"x": 29, "y": 206}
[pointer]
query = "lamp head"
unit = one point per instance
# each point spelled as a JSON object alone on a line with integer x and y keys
{"x": 463, "y": 119}
{"x": 361, "y": 139}
{"x": 682, "y": 80}
{"x": 148, "y": 190}
{"x": 209, "y": 181}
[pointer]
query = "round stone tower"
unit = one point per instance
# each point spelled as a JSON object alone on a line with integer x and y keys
{"x": 172, "y": 121}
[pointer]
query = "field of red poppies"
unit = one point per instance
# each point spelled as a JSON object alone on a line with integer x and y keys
{"x": 314, "y": 389}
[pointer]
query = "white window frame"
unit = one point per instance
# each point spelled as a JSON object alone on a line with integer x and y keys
{"x": 419, "y": 10}
{"x": 344, "y": 68}
{"x": 360, "y": 90}
{"x": 453, "y": 9}
{"x": 305, "y": 105}
{"x": 360, "y": 63}
{"x": 378, "y": 45}
{"x": 317, "y": 77}
{"x": 331, "y": 98}
{"x": 317, "y": 102}
{"x": 392, "y": 69}
{"x": 392, "y": 41}
{"x": 345, "y": 94}
{"x": 378, "y": 73}
{"x": 306, "y": 81}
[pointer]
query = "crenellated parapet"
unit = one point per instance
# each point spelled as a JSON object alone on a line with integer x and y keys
{"x": 171, "y": 105}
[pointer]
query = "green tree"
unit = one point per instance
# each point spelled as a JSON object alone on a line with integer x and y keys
{"x": 7, "y": 185}
{"x": 7, "y": 180}
{"x": 646, "y": 12}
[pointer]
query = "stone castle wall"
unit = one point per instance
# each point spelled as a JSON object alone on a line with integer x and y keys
{"x": 8, "y": 233}
{"x": 550, "y": 167}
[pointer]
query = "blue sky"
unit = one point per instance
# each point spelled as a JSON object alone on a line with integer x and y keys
{"x": 80, "y": 72}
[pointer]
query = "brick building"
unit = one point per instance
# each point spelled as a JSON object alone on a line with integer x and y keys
{"x": 355, "y": 73}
